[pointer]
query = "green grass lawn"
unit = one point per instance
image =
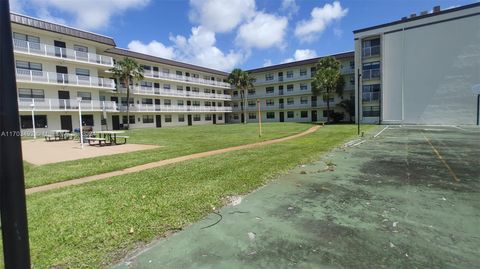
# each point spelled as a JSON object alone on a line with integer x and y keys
{"x": 89, "y": 226}
{"x": 175, "y": 141}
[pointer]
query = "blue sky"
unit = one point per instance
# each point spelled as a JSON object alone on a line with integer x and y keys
{"x": 223, "y": 34}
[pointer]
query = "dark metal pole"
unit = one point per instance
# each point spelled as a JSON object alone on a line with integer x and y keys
{"x": 12, "y": 186}
{"x": 358, "y": 100}
{"x": 478, "y": 109}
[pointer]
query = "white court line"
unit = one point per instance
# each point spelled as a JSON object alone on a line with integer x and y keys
{"x": 386, "y": 127}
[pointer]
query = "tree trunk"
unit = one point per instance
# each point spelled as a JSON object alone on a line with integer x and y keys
{"x": 127, "y": 83}
{"x": 328, "y": 106}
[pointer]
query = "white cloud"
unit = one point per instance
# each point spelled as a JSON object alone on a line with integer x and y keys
{"x": 267, "y": 62}
{"x": 263, "y": 31}
{"x": 321, "y": 17}
{"x": 17, "y": 6}
{"x": 199, "y": 48}
{"x": 301, "y": 55}
{"x": 337, "y": 32}
{"x": 154, "y": 48}
{"x": 86, "y": 14}
{"x": 220, "y": 15}
{"x": 290, "y": 6}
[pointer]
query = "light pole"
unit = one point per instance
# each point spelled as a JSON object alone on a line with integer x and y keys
{"x": 359, "y": 75}
{"x": 259, "y": 118}
{"x": 79, "y": 99}
{"x": 33, "y": 118}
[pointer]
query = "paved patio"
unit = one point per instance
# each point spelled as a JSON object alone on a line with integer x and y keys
{"x": 39, "y": 152}
{"x": 406, "y": 199}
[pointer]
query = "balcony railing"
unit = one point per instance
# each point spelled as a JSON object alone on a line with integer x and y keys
{"x": 283, "y": 107}
{"x": 25, "y": 75}
{"x": 284, "y": 80}
{"x": 370, "y": 96}
{"x": 285, "y": 93}
{"x": 371, "y": 51}
{"x": 175, "y": 108}
{"x": 175, "y": 93}
{"x": 58, "y": 52}
{"x": 174, "y": 77}
{"x": 27, "y": 104}
{"x": 371, "y": 74}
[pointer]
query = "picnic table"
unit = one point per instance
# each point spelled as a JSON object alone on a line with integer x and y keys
{"x": 58, "y": 135}
{"x": 110, "y": 137}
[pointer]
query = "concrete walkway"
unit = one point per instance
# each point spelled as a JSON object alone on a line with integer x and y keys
{"x": 387, "y": 203}
{"x": 163, "y": 163}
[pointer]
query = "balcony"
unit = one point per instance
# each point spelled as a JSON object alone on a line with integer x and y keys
{"x": 284, "y": 80}
{"x": 371, "y": 74}
{"x": 27, "y": 104}
{"x": 284, "y": 93}
{"x": 44, "y": 50}
{"x": 264, "y": 107}
{"x": 25, "y": 75}
{"x": 188, "y": 79}
{"x": 370, "y": 96}
{"x": 175, "y": 108}
{"x": 141, "y": 90}
{"x": 371, "y": 51}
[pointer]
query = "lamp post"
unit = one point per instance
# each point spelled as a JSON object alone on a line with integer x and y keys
{"x": 359, "y": 75}
{"x": 33, "y": 118}
{"x": 79, "y": 99}
{"x": 259, "y": 118}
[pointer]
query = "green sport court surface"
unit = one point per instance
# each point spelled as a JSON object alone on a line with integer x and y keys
{"x": 408, "y": 198}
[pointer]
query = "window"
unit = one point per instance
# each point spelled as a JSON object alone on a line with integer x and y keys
{"x": 196, "y": 117}
{"x": 29, "y": 66}
{"x": 268, "y": 77}
{"x": 195, "y": 103}
{"x": 304, "y": 114}
{"x": 331, "y": 99}
{"x": 352, "y": 64}
{"x": 290, "y": 101}
{"x": 146, "y": 84}
{"x": 179, "y": 88}
{"x": 270, "y": 115}
{"x": 303, "y": 72}
{"x": 251, "y": 92}
{"x": 132, "y": 119}
{"x": 166, "y": 86}
{"x": 82, "y": 74}
{"x": 303, "y": 100}
{"x": 208, "y": 117}
{"x": 235, "y": 93}
{"x": 195, "y": 89}
{"x": 270, "y": 102}
{"x": 313, "y": 70}
{"x": 290, "y": 114}
{"x": 371, "y": 47}
{"x": 166, "y": 72}
{"x": 371, "y": 70}
{"x": 219, "y": 104}
{"x": 21, "y": 40}
{"x": 290, "y": 88}
{"x": 370, "y": 92}
{"x": 303, "y": 86}
{"x": 179, "y": 102}
{"x": 289, "y": 74}
{"x": 147, "y": 118}
{"x": 40, "y": 121}
{"x": 235, "y": 116}
{"x": 87, "y": 120}
{"x": 325, "y": 113}
{"x": 270, "y": 90}
{"x": 371, "y": 111}
{"x": 179, "y": 74}
{"x": 79, "y": 48}
{"x": 123, "y": 101}
{"x": 85, "y": 95}
{"x": 251, "y": 103}
{"x": 181, "y": 118}
{"x": 146, "y": 68}
{"x": 168, "y": 118}
{"x": 31, "y": 94}
{"x": 252, "y": 116}
{"x": 220, "y": 117}
{"x": 167, "y": 102}
{"x": 147, "y": 101}
{"x": 208, "y": 103}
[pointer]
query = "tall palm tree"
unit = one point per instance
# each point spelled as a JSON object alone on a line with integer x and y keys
{"x": 349, "y": 106}
{"x": 242, "y": 81}
{"x": 126, "y": 71}
{"x": 327, "y": 80}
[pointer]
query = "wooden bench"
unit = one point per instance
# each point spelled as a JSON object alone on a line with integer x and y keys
{"x": 94, "y": 139}
{"x": 124, "y": 138}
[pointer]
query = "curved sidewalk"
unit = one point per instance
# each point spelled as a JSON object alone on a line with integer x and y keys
{"x": 163, "y": 163}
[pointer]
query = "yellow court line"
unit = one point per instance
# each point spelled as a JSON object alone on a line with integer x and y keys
{"x": 450, "y": 170}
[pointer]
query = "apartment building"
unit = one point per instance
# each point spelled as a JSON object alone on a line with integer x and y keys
{"x": 61, "y": 70}
{"x": 421, "y": 68}
{"x": 284, "y": 93}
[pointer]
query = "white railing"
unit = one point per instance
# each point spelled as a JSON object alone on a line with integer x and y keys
{"x": 175, "y": 93}
{"x": 284, "y": 106}
{"x": 63, "y": 79}
{"x": 371, "y": 51}
{"x": 275, "y": 94}
{"x": 175, "y": 108}
{"x": 64, "y": 105}
{"x": 371, "y": 74}
{"x": 58, "y": 52}
{"x": 285, "y": 79}
{"x": 370, "y": 96}
{"x": 174, "y": 77}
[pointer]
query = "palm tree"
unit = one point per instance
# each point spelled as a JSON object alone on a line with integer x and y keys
{"x": 126, "y": 71}
{"x": 349, "y": 106}
{"x": 327, "y": 80}
{"x": 242, "y": 81}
